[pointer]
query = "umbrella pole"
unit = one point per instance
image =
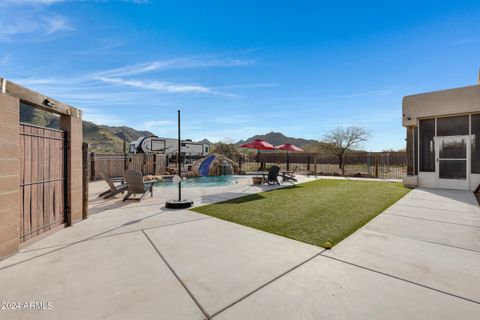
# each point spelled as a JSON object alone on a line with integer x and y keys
{"x": 258, "y": 160}
{"x": 288, "y": 162}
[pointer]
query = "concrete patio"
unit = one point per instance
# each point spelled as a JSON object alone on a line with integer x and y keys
{"x": 417, "y": 260}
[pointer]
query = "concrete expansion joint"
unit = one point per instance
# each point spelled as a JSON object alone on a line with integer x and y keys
{"x": 422, "y": 207}
{"x": 447, "y": 222}
{"x": 195, "y": 300}
{"x": 267, "y": 283}
{"x": 204, "y": 312}
{"x": 90, "y": 238}
{"x": 401, "y": 279}
{"x": 425, "y": 241}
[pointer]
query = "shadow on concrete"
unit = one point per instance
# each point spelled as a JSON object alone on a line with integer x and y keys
{"x": 239, "y": 197}
{"x": 445, "y": 195}
{"x": 242, "y": 198}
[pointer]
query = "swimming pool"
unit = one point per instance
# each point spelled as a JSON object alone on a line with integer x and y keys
{"x": 196, "y": 182}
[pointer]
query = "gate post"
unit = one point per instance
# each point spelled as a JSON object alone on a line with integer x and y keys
{"x": 72, "y": 125}
{"x": 85, "y": 174}
{"x": 9, "y": 174}
{"x": 376, "y": 166}
{"x": 92, "y": 166}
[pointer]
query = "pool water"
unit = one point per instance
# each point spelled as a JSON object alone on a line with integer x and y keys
{"x": 196, "y": 182}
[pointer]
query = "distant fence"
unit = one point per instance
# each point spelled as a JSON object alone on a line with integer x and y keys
{"x": 115, "y": 164}
{"x": 385, "y": 165}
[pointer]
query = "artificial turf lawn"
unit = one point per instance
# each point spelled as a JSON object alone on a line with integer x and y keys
{"x": 313, "y": 212}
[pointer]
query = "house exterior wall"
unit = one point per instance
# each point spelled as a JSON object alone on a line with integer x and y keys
{"x": 440, "y": 103}
{"x": 10, "y": 201}
{"x": 452, "y": 102}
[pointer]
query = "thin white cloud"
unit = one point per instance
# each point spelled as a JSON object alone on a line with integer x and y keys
{"x": 159, "y": 127}
{"x": 156, "y": 123}
{"x": 29, "y": 18}
{"x": 22, "y": 17}
{"x": 105, "y": 45}
{"x": 135, "y": 69}
{"x": 180, "y": 63}
{"x": 116, "y": 76}
{"x": 18, "y": 3}
{"x": 54, "y": 24}
{"x": 161, "y": 86}
{"x": 85, "y": 88}
{"x": 9, "y": 29}
{"x": 102, "y": 118}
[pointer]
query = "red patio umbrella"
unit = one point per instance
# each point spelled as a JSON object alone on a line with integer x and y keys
{"x": 289, "y": 147}
{"x": 258, "y": 144}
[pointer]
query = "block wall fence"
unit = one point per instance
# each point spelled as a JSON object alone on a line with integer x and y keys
{"x": 11, "y": 166}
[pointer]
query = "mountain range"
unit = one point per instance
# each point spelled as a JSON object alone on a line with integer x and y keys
{"x": 104, "y": 138}
{"x": 278, "y": 138}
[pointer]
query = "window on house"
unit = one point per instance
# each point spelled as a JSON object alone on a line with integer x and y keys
{"x": 427, "y": 149}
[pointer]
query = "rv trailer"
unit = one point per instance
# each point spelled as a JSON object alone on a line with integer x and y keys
{"x": 151, "y": 144}
{"x": 168, "y": 146}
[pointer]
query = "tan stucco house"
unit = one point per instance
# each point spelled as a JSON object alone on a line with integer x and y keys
{"x": 443, "y": 138}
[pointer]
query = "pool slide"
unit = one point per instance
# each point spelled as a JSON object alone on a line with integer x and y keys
{"x": 205, "y": 165}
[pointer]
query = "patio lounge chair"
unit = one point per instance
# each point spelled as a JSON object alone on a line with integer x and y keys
{"x": 114, "y": 189}
{"x": 272, "y": 177}
{"x": 135, "y": 185}
{"x": 290, "y": 176}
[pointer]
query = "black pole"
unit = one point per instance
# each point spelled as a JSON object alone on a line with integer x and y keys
{"x": 179, "y": 204}
{"x": 178, "y": 161}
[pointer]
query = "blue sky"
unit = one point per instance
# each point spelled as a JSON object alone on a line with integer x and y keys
{"x": 241, "y": 68}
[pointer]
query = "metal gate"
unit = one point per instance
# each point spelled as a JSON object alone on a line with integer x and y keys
{"x": 42, "y": 180}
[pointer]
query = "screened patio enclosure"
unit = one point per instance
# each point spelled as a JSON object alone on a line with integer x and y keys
{"x": 443, "y": 138}
{"x": 448, "y": 150}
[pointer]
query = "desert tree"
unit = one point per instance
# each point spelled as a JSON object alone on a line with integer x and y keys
{"x": 343, "y": 139}
{"x": 226, "y": 147}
